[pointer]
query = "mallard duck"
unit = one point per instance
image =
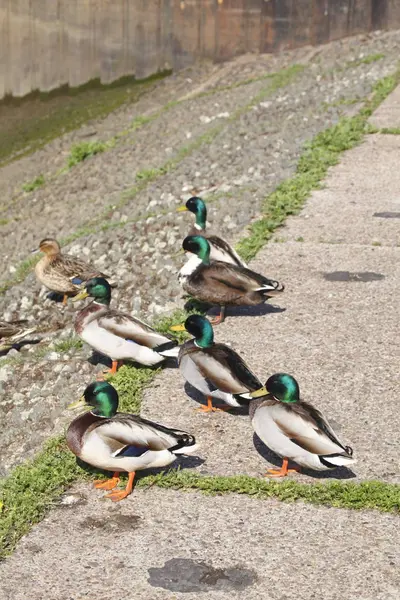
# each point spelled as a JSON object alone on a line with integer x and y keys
{"x": 294, "y": 429}
{"x": 13, "y": 331}
{"x": 214, "y": 369}
{"x": 116, "y": 334}
{"x": 219, "y": 248}
{"x": 62, "y": 273}
{"x": 119, "y": 442}
{"x": 221, "y": 283}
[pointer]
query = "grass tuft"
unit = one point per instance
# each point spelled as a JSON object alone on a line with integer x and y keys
{"x": 70, "y": 343}
{"x": 33, "y": 185}
{"x": 84, "y": 150}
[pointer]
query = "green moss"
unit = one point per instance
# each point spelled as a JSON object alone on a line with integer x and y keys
{"x": 29, "y": 123}
{"x": 322, "y": 152}
{"x": 367, "y": 495}
{"x": 30, "y": 186}
{"x": 32, "y": 488}
{"x": 83, "y": 150}
{"x": 130, "y": 382}
{"x": 343, "y": 102}
{"x": 365, "y": 60}
{"x": 390, "y": 130}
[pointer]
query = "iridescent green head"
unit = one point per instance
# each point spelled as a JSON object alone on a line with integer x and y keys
{"x": 197, "y": 206}
{"x": 99, "y": 289}
{"x": 201, "y": 329}
{"x": 283, "y": 387}
{"x": 103, "y": 397}
{"x": 196, "y": 244}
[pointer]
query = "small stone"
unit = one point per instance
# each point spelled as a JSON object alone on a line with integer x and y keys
{"x": 6, "y": 373}
{"x": 53, "y": 356}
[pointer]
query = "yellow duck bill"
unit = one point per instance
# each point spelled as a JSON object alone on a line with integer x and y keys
{"x": 259, "y": 393}
{"x": 181, "y": 209}
{"x": 80, "y": 296}
{"x": 81, "y": 403}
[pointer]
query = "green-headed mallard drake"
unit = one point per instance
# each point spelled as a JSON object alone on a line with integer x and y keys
{"x": 294, "y": 429}
{"x": 214, "y": 369}
{"x": 63, "y": 273}
{"x": 13, "y": 331}
{"x": 119, "y": 442}
{"x": 116, "y": 334}
{"x": 221, "y": 283}
{"x": 219, "y": 248}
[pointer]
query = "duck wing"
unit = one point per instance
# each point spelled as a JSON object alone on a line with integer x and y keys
{"x": 239, "y": 278}
{"x": 75, "y": 269}
{"x": 131, "y": 328}
{"x": 223, "y": 252}
{"x": 306, "y": 426}
{"x": 224, "y": 368}
{"x": 124, "y": 433}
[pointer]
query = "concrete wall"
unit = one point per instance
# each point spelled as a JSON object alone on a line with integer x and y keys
{"x": 48, "y": 43}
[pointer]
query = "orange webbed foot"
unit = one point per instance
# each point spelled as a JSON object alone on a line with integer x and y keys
{"x": 108, "y": 484}
{"x": 117, "y": 496}
{"x": 220, "y": 319}
{"x": 210, "y": 408}
{"x": 283, "y": 471}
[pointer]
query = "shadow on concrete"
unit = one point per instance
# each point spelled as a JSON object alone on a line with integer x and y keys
{"x": 201, "y": 400}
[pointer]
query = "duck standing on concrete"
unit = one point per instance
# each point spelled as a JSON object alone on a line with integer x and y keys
{"x": 222, "y": 283}
{"x": 294, "y": 429}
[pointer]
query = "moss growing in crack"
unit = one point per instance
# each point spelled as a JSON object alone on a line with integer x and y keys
{"x": 33, "y": 488}
{"x": 322, "y": 152}
{"x": 365, "y": 60}
{"x": 33, "y": 185}
{"x": 367, "y": 495}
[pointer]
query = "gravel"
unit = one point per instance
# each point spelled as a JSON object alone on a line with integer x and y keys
{"x": 234, "y": 171}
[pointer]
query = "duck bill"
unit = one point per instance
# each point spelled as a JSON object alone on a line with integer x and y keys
{"x": 81, "y": 403}
{"x": 35, "y": 251}
{"x": 80, "y": 296}
{"x": 177, "y": 328}
{"x": 259, "y": 393}
{"x": 181, "y": 209}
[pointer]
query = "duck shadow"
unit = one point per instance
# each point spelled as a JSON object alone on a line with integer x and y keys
{"x": 199, "y": 397}
{"x": 247, "y": 311}
{"x": 181, "y": 463}
{"x": 99, "y": 359}
{"x": 18, "y": 346}
{"x": 271, "y": 457}
{"x": 55, "y": 297}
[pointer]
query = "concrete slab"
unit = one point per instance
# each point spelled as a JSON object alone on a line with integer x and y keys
{"x": 388, "y": 113}
{"x": 336, "y": 337}
{"x": 360, "y": 202}
{"x": 168, "y": 545}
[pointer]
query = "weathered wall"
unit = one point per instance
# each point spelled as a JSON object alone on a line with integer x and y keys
{"x": 47, "y": 43}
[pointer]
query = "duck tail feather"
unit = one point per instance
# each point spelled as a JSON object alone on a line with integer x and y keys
{"x": 186, "y": 445}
